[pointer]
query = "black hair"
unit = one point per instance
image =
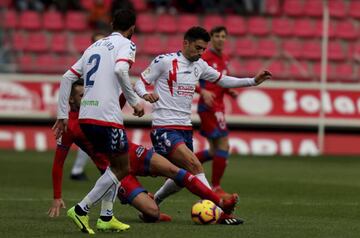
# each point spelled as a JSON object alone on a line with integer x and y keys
{"x": 197, "y": 33}
{"x": 79, "y": 82}
{"x": 123, "y": 19}
{"x": 218, "y": 29}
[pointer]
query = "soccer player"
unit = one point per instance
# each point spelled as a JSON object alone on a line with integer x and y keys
{"x": 105, "y": 69}
{"x": 175, "y": 77}
{"x": 77, "y": 170}
{"x": 143, "y": 162}
{"x": 211, "y": 110}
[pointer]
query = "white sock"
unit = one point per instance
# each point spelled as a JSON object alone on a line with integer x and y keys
{"x": 169, "y": 187}
{"x": 80, "y": 162}
{"x": 103, "y": 185}
{"x": 108, "y": 201}
{"x": 203, "y": 179}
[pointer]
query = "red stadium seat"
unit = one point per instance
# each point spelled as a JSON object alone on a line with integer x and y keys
{"x": 293, "y": 8}
{"x": 173, "y": 43}
{"x": 30, "y": 20}
{"x": 282, "y": 26}
{"x": 304, "y": 28}
{"x": 235, "y": 25}
{"x": 18, "y": 41}
{"x": 252, "y": 67}
{"x": 46, "y": 63}
{"x": 53, "y": 21}
{"x": 354, "y": 51}
{"x": 337, "y": 8}
{"x": 229, "y": 47}
{"x": 76, "y": 21}
{"x": 278, "y": 69}
{"x": 166, "y": 24}
{"x": 267, "y": 48}
{"x": 211, "y": 21}
{"x": 313, "y": 8}
{"x": 139, "y": 5}
{"x": 336, "y": 51}
{"x": 153, "y": 45}
{"x": 36, "y": 42}
{"x": 272, "y": 7}
{"x": 317, "y": 70}
{"x": 319, "y": 27}
{"x": 354, "y": 9}
{"x": 346, "y": 30}
{"x": 25, "y": 63}
{"x": 146, "y": 23}
{"x": 344, "y": 71}
{"x": 10, "y": 20}
{"x": 187, "y": 21}
{"x": 81, "y": 42}
{"x": 245, "y": 47}
{"x": 258, "y": 26}
{"x": 5, "y": 3}
{"x": 300, "y": 70}
{"x": 59, "y": 43}
{"x": 292, "y": 48}
{"x": 312, "y": 50}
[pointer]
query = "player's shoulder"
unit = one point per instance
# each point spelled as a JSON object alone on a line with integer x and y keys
{"x": 165, "y": 58}
{"x": 202, "y": 63}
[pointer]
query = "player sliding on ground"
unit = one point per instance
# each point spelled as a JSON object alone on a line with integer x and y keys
{"x": 143, "y": 162}
{"x": 175, "y": 77}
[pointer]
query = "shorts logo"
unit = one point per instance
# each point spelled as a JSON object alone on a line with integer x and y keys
{"x": 139, "y": 151}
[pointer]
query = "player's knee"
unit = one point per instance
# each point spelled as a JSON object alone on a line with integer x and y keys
{"x": 194, "y": 166}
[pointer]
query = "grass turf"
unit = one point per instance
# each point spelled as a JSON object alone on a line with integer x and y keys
{"x": 279, "y": 197}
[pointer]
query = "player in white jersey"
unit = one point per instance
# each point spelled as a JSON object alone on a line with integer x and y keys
{"x": 175, "y": 77}
{"x": 104, "y": 67}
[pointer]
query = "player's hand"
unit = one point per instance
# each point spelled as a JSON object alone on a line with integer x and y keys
{"x": 54, "y": 210}
{"x": 262, "y": 76}
{"x": 60, "y": 127}
{"x": 208, "y": 96}
{"x": 151, "y": 97}
{"x": 138, "y": 110}
{"x": 232, "y": 92}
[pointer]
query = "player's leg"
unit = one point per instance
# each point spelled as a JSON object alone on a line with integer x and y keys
{"x": 220, "y": 161}
{"x": 77, "y": 171}
{"x": 206, "y": 155}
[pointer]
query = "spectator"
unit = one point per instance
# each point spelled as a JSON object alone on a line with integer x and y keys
{"x": 99, "y": 17}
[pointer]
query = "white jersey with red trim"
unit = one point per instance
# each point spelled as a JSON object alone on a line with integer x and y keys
{"x": 100, "y": 103}
{"x": 174, "y": 79}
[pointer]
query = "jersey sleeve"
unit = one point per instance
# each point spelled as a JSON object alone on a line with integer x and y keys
{"x": 77, "y": 68}
{"x": 127, "y": 53}
{"x": 209, "y": 73}
{"x": 156, "y": 68}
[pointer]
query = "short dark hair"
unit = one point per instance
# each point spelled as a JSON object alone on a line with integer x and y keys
{"x": 123, "y": 19}
{"x": 197, "y": 33}
{"x": 79, "y": 82}
{"x": 218, "y": 29}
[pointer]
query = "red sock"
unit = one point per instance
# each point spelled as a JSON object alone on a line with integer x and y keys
{"x": 203, "y": 156}
{"x": 195, "y": 186}
{"x": 218, "y": 166}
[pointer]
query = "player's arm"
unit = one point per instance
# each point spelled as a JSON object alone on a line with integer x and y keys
{"x": 125, "y": 58}
{"x": 73, "y": 74}
{"x": 226, "y": 81}
{"x": 61, "y": 153}
{"x": 148, "y": 77}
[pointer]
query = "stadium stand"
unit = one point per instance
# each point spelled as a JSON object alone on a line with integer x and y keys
{"x": 290, "y": 30}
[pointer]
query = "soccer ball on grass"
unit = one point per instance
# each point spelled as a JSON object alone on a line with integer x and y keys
{"x": 205, "y": 212}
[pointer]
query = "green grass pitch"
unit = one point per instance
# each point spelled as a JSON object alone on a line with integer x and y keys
{"x": 279, "y": 197}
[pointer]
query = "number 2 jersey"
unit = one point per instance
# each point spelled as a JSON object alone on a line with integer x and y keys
{"x": 174, "y": 78}
{"x": 100, "y": 103}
